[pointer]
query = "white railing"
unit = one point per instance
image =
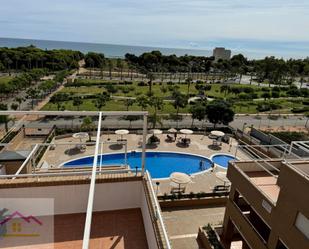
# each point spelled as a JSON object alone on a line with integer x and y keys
{"x": 87, "y": 227}
{"x": 29, "y": 158}
{"x": 158, "y": 210}
{"x": 72, "y": 173}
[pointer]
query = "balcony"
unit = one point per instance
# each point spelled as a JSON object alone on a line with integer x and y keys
{"x": 125, "y": 213}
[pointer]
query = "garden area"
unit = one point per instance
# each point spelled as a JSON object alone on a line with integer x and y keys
{"x": 83, "y": 94}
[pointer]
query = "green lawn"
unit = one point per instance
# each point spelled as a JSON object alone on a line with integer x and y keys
{"x": 5, "y": 79}
{"x": 158, "y": 90}
{"x": 112, "y": 105}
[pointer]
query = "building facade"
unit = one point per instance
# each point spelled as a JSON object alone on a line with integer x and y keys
{"x": 268, "y": 206}
{"x": 221, "y": 53}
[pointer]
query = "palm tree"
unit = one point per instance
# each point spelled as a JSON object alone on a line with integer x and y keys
{"x": 110, "y": 68}
{"x": 150, "y": 76}
{"x": 157, "y": 104}
{"x": 120, "y": 66}
{"x": 188, "y": 81}
{"x": 180, "y": 101}
{"x": 88, "y": 125}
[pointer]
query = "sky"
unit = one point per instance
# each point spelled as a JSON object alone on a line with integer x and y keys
{"x": 253, "y": 27}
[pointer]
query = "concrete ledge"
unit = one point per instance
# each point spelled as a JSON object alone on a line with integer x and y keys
{"x": 202, "y": 237}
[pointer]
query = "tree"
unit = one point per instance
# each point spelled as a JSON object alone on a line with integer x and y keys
{"x": 129, "y": 102}
{"x": 198, "y": 111}
{"x": 110, "y": 67}
{"x": 142, "y": 101}
{"x": 59, "y": 99}
{"x": 219, "y": 111}
{"x": 150, "y": 76}
{"x": 19, "y": 100}
{"x": 188, "y": 81}
{"x": 180, "y": 101}
{"x": 32, "y": 93}
{"x": 77, "y": 101}
{"x": 110, "y": 88}
{"x": 14, "y": 106}
{"x": 88, "y": 125}
{"x": 120, "y": 66}
{"x": 265, "y": 95}
{"x": 101, "y": 100}
{"x": 157, "y": 104}
{"x": 3, "y": 118}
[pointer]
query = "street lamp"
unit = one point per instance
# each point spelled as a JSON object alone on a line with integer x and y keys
{"x": 157, "y": 183}
{"x": 243, "y": 127}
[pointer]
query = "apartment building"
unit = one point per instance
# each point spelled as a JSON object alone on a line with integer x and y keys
{"x": 221, "y": 53}
{"x": 268, "y": 206}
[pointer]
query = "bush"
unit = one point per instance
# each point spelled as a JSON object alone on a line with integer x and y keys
{"x": 300, "y": 109}
{"x": 212, "y": 237}
{"x": 275, "y": 94}
{"x": 142, "y": 83}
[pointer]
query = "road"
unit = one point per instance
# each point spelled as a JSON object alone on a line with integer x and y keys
{"x": 117, "y": 122}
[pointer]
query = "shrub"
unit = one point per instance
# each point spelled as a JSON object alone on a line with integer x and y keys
{"x": 142, "y": 83}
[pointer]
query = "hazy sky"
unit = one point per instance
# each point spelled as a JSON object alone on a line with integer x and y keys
{"x": 254, "y": 27}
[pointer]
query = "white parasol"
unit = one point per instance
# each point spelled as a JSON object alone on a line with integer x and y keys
{"x": 121, "y": 132}
{"x": 217, "y": 133}
{"x": 172, "y": 130}
{"x": 156, "y": 132}
{"x": 80, "y": 135}
{"x": 180, "y": 178}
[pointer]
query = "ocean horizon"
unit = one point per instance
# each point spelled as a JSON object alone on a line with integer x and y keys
{"x": 109, "y": 50}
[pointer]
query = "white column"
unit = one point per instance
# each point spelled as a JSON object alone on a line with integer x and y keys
{"x": 87, "y": 227}
{"x": 144, "y": 143}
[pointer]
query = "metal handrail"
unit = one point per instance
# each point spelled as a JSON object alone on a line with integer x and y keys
{"x": 106, "y": 172}
{"x": 158, "y": 211}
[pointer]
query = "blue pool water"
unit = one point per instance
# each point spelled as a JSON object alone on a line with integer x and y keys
{"x": 159, "y": 164}
{"x": 222, "y": 160}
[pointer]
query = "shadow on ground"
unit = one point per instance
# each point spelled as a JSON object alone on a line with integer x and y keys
{"x": 116, "y": 146}
{"x": 214, "y": 147}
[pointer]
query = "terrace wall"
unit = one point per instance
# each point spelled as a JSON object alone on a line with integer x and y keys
{"x": 73, "y": 198}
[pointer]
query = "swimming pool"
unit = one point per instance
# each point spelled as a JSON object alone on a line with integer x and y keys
{"x": 222, "y": 159}
{"x": 159, "y": 164}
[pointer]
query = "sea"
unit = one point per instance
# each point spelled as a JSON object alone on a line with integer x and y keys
{"x": 109, "y": 50}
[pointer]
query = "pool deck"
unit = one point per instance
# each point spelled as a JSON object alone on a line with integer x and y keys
{"x": 200, "y": 145}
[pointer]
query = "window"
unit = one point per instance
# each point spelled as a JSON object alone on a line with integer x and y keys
{"x": 302, "y": 224}
{"x": 280, "y": 245}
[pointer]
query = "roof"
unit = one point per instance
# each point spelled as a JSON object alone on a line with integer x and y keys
{"x": 8, "y": 155}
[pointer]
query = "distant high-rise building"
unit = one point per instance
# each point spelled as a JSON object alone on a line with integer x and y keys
{"x": 221, "y": 53}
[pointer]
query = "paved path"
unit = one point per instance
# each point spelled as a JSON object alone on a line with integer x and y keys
{"x": 182, "y": 224}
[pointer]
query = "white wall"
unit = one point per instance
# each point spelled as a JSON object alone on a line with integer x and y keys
{"x": 108, "y": 196}
{"x": 150, "y": 234}
{"x": 74, "y": 198}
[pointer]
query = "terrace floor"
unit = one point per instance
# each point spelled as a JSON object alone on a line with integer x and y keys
{"x": 266, "y": 182}
{"x": 200, "y": 144}
{"x": 110, "y": 230}
{"x": 182, "y": 224}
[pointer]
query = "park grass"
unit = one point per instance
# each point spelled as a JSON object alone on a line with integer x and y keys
{"x": 157, "y": 89}
{"x": 83, "y": 90}
{"x": 5, "y": 79}
{"x": 245, "y": 107}
{"x": 112, "y": 105}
